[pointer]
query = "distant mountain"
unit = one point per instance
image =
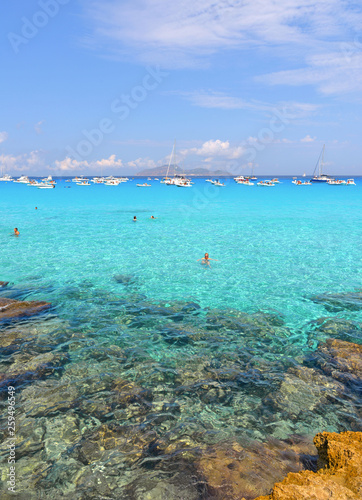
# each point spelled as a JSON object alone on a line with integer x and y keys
{"x": 196, "y": 172}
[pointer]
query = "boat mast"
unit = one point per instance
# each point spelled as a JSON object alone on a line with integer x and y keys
{"x": 322, "y": 161}
{"x": 169, "y": 163}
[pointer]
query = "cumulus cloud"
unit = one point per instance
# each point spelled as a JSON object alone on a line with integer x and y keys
{"x": 308, "y": 138}
{"x": 216, "y": 148}
{"x": 142, "y": 163}
{"x": 111, "y": 162}
{"x": 70, "y": 165}
{"x": 73, "y": 165}
{"x": 27, "y": 162}
{"x": 3, "y": 136}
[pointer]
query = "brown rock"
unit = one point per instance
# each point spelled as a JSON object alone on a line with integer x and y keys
{"x": 339, "y": 479}
{"x": 37, "y": 367}
{"x": 235, "y": 473}
{"x": 341, "y": 360}
{"x": 3, "y": 283}
{"x": 14, "y": 309}
{"x": 127, "y": 393}
{"x": 335, "y": 302}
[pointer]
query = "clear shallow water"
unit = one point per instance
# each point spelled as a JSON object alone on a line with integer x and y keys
{"x": 275, "y": 249}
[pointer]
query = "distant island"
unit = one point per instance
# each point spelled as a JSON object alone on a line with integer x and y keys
{"x": 196, "y": 172}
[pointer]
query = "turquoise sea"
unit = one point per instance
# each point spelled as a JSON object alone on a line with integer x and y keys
{"x": 205, "y": 351}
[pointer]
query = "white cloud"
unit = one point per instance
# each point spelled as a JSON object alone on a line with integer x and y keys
{"x": 142, "y": 163}
{"x": 187, "y": 33}
{"x": 23, "y": 163}
{"x": 308, "y": 138}
{"x": 212, "y": 99}
{"x": 181, "y": 33}
{"x": 211, "y": 149}
{"x": 70, "y": 165}
{"x": 38, "y": 128}
{"x": 331, "y": 72}
{"x": 111, "y": 162}
{"x": 3, "y": 136}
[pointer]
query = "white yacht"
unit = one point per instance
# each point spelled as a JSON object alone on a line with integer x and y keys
{"x": 267, "y": 183}
{"x": 23, "y": 179}
{"x": 6, "y": 178}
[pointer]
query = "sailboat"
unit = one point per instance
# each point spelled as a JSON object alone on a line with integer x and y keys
{"x": 320, "y": 177}
{"x": 253, "y": 178}
{"x": 167, "y": 180}
{"x": 176, "y": 180}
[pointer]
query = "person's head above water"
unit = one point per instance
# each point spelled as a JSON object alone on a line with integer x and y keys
{"x": 16, "y": 232}
{"x": 134, "y": 218}
{"x": 206, "y": 255}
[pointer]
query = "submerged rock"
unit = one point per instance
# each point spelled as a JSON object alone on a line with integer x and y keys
{"x": 127, "y": 393}
{"x": 128, "y": 444}
{"x": 14, "y": 309}
{"x": 125, "y": 279}
{"x": 233, "y": 472}
{"x": 340, "y": 360}
{"x": 340, "y": 455}
{"x": 3, "y": 284}
{"x": 339, "y": 328}
{"x": 25, "y": 369}
{"x": 335, "y": 302}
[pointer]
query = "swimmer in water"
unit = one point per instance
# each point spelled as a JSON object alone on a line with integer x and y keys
{"x": 206, "y": 260}
{"x": 134, "y": 219}
{"x": 16, "y": 232}
{"x": 152, "y": 217}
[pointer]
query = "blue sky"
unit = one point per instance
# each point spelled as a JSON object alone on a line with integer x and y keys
{"x": 91, "y": 86}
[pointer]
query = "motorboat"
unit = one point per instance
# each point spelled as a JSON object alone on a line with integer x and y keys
{"x": 80, "y": 179}
{"x": 350, "y": 182}
{"x": 6, "y": 178}
{"x": 218, "y": 183}
{"x": 300, "y": 183}
{"x": 183, "y": 183}
{"x": 45, "y": 185}
{"x": 336, "y": 182}
{"x": 143, "y": 185}
{"x": 266, "y": 183}
{"x": 48, "y": 179}
{"x": 23, "y": 179}
{"x": 246, "y": 183}
{"x": 83, "y": 183}
{"x": 111, "y": 182}
{"x": 276, "y": 180}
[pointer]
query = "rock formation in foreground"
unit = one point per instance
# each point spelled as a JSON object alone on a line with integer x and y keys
{"x": 339, "y": 476}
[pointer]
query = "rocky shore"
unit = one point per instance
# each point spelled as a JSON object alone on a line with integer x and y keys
{"x": 339, "y": 476}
